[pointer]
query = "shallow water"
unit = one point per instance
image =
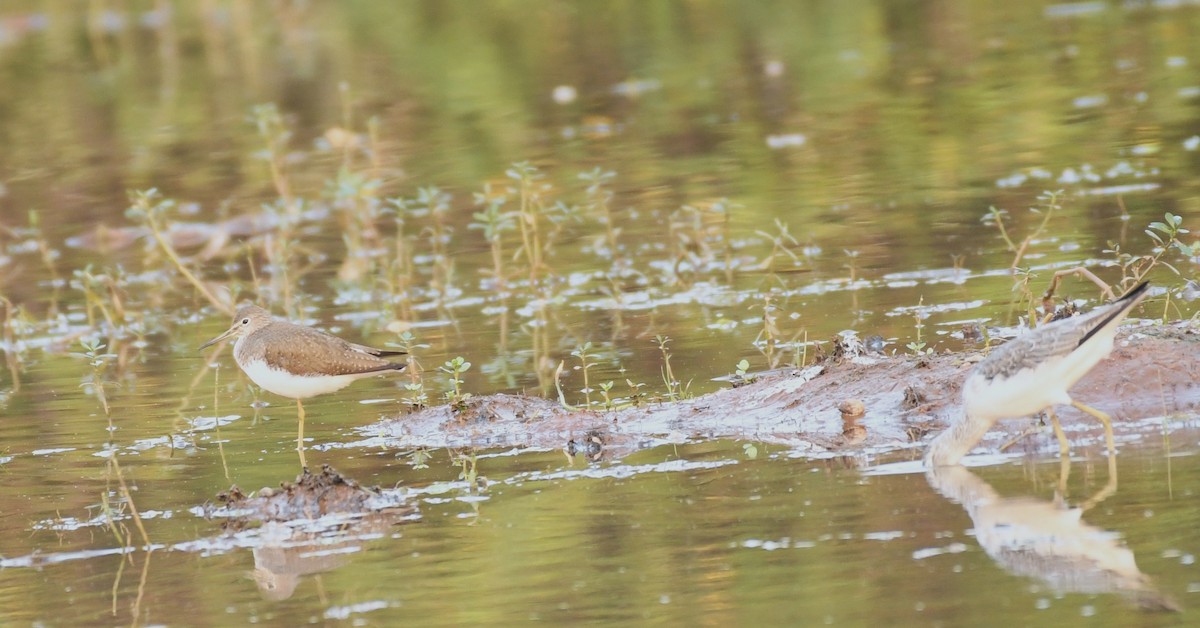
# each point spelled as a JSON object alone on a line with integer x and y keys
{"x": 878, "y": 136}
{"x": 693, "y": 532}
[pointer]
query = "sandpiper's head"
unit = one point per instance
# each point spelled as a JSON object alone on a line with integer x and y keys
{"x": 248, "y": 319}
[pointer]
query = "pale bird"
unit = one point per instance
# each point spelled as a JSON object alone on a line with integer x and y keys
{"x": 299, "y": 362}
{"x": 1031, "y": 373}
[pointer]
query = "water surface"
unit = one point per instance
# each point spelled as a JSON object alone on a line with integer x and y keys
{"x": 778, "y": 174}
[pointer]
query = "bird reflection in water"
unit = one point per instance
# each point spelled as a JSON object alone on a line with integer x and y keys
{"x": 284, "y": 554}
{"x": 1049, "y": 541}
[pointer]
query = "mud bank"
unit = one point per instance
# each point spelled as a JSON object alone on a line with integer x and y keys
{"x": 1153, "y": 372}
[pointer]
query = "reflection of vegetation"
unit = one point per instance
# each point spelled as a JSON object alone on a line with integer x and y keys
{"x": 114, "y": 512}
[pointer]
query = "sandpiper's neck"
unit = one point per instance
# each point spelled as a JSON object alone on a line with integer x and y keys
{"x": 952, "y": 444}
{"x": 240, "y": 350}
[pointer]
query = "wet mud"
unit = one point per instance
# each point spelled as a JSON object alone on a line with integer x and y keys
{"x": 845, "y": 404}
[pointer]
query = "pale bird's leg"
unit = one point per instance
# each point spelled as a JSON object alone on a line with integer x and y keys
{"x": 1064, "y": 448}
{"x": 1107, "y": 422}
{"x": 300, "y": 434}
{"x": 1109, "y": 488}
{"x": 1064, "y": 472}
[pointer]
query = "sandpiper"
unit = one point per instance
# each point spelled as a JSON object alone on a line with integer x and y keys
{"x": 1033, "y": 373}
{"x": 299, "y": 362}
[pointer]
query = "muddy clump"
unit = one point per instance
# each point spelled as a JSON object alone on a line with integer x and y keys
{"x": 311, "y": 496}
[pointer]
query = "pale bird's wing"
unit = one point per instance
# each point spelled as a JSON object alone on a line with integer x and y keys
{"x": 1031, "y": 349}
{"x": 383, "y": 353}
{"x": 307, "y": 351}
{"x": 1054, "y": 340}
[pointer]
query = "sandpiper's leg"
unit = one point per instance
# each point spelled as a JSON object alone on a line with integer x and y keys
{"x": 1110, "y": 487}
{"x": 1064, "y": 472}
{"x": 300, "y": 434}
{"x": 1103, "y": 418}
{"x": 1064, "y": 448}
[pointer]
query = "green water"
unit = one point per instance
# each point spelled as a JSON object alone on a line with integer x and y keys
{"x": 877, "y": 134}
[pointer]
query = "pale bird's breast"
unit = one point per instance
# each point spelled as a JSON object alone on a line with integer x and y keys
{"x": 286, "y": 384}
{"x": 1026, "y": 392}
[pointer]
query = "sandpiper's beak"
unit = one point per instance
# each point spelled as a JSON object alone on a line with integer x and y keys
{"x": 228, "y": 332}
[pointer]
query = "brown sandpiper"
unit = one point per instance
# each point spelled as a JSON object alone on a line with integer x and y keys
{"x": 299, "y": 362}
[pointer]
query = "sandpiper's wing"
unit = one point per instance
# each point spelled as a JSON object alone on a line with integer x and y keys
{"x": 1057, "y": 339}
{"x": 382, "y": 353}
{"x": 307, "y": 351}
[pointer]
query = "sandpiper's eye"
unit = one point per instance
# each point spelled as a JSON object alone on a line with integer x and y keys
{"x": 245, "y": 321}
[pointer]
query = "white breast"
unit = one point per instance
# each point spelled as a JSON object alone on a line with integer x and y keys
{"x": 286, "y": 384}
{"x": 1027, "y": 392}
{"x": 1030, "y": 391}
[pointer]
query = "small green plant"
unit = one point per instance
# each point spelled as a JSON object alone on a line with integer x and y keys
{"x": 636, "y": 396}
{"x": 436, "y": 204}
{"x": 918, "y": 346}
{"x": 1049, "y": 202}
{"x": 150, "y": 208}
{"x": 674, "y": 386}
{"x": 13, "y": 352}
{"x": 98, "y": 361}
{"x": 417, "y": 398}
{"x": 96, "y": 289}
{"x": 417, "y": 458}
{"x": 781, "y": 244}
{"x": 852, "y": 263}
{"x": 271, "y": 128}
{"x": 741, "y": 371}
{"x": 530, "y": 189}
{"x": 48, "y": 256}
{"x": 494, "y": 223}
{"x": 407, "y": 343}
{"x": 768, "y": 336}
{"x": 1166, "y": 237}
{"x": 919, "y": 349}
{"x": 455, "y": 368}
{"x": 355, "y": 197}
{"x": 605, "y": 388}
{"x": 599, "y": 202}
{"x": 586, "y": 361}
{"x": 1022, "y": 280}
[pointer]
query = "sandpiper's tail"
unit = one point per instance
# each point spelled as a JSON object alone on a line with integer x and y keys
{"x": 1118, "y": 310}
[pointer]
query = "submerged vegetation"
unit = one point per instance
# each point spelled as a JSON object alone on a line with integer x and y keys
{"x": 548, "y": 266}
